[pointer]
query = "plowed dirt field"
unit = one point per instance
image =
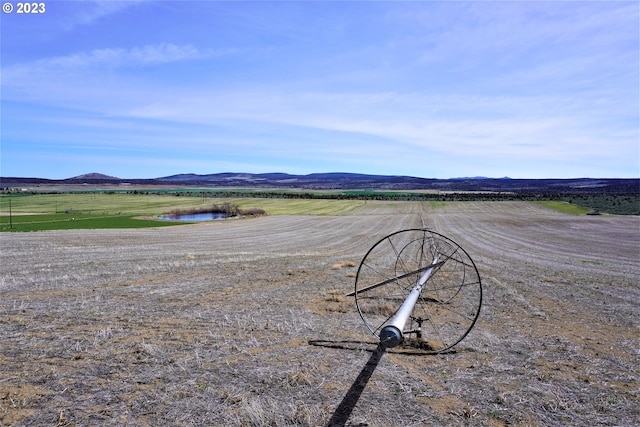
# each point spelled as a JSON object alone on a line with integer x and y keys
{"x": 245, "y": 323}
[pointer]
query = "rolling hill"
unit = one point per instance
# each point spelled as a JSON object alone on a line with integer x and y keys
{"x": 343, "y": 180}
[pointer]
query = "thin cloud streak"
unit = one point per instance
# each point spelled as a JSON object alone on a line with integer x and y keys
{"x": 424, "y": 122}
{"x": 109, "y": 58}
{"x": 94, "y": 10}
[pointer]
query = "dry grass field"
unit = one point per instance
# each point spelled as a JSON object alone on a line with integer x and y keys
{"x": 245, "y": 323}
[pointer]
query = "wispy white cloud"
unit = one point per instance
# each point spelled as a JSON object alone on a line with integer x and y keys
{"x": 98, "y": 79}
{"x": 540, "y": 126}
{"x": 88, "y": 12}
{"x": 112, "y": 58}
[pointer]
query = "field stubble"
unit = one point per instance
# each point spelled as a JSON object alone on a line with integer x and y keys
{"x": 245, "y": 323}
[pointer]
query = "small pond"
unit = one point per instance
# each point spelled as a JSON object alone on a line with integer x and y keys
{"x": 194, "y": 217}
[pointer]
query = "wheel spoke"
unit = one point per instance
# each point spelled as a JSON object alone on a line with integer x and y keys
{"x": 395, "y": 279}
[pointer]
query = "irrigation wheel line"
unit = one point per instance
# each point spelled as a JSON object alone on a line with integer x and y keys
{"x": 427, "y": 267}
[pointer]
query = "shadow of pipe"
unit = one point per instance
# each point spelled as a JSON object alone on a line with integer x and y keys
{"x": 344, "y": 344}
{"x": 366, "y": 346}
{"x": 345, "y": 408}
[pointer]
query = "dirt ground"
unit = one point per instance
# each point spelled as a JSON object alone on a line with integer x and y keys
{"x": 245, "y": 323}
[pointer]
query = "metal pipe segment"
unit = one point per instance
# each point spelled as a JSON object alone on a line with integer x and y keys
{"x": 391, "y": 335}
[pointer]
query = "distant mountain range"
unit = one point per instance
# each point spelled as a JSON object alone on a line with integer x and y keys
{"x": 344, "y": 181}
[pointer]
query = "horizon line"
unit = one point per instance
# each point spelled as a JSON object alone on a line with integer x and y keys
{"x": 101, "y": 176}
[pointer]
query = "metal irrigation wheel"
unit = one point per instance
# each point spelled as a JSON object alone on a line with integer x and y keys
{"x": 450, "y": 292}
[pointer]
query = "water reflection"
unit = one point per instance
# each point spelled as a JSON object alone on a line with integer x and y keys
{"x": 194, "y": 217}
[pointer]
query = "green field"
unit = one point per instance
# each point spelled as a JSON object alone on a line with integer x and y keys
{"x": 103, "y": 204}
{"x": 34, "y": 212}
{"x": 564, "y": 207}
{"x": 75, "y": 222}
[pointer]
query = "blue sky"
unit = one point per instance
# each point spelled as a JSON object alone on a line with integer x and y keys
{"x": 142, "y": 89}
